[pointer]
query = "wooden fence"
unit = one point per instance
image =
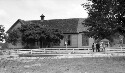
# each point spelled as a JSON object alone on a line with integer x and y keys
{"x": 115, "y": 50}
{"x": 52, "y": 51}
{"x": 86, "y": 50}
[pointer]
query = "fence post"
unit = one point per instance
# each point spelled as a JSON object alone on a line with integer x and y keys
{"x": 73, "y": 50}
{"x": 44, "y": 50}
{"x": 121, "y": 48}
{"x": 88, "y": 49}
{"x": 17, "y": 51}
{"x": 31, "y": 51}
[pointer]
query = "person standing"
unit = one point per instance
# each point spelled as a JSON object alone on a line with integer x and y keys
{"x": 93, "y": 48}
{"x": 98, "y": 47}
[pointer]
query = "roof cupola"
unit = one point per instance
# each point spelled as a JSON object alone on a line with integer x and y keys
{"x": 42, "y": 17}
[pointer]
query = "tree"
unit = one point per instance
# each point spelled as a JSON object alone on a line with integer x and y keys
{"x": 105, "y": 18}
{"x": 36, "y": 34}
{"x": 13, "y": 37}
{"x": 2, "y": 34}
{"x": 53, "y": 36}
{"x": 30, "y": 34}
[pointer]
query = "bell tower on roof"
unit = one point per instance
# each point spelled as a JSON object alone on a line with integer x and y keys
{"x": 42, "y": 17}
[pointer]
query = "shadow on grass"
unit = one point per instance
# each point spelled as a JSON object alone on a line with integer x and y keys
{"x": 120, "y": 58}
{"x": 27, "y": 55}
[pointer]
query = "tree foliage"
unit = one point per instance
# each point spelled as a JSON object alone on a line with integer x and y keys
{"x": 32, "y": 33}
{"x": 13, "y": 37}
{"x": 105, "y": 18}
{"x": 2, "y": 34}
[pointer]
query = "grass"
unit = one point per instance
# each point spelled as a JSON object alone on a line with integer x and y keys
{"x": 65, "y": 65}
{"x": 1, "y": 53}
{"x": 31, "y": 55}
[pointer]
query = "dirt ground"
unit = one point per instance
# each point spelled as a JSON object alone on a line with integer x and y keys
{"x": 65, "y": 65}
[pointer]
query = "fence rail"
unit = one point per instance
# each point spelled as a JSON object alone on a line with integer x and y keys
{"x": 115, "y": 50}
{"x": 52, "y": 50}
{"x": 85, "y": 50}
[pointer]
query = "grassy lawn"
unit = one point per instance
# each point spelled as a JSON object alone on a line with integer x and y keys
{"x": 65, "y": 65}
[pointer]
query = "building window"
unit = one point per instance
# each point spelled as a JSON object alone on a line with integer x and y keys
{"x": 123, "y": 40}
{"x": 67, "y": 39}
{"x": 85, "y": 40}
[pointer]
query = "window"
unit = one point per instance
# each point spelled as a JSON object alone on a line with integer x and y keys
{"x": 123, "y": 40}
{"x": 85, "y": 40}
{"x": 68, "y": 40}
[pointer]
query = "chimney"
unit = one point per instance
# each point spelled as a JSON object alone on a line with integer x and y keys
{"x": 42, "y": 17}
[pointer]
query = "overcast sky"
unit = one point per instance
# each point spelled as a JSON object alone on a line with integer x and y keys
{"x": 12, "y": 10}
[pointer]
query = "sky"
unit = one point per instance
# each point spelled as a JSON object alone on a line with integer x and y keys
{"x": 12, "y": 10}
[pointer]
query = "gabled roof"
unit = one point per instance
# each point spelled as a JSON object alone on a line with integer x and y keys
{"x": 19, "y": 20}
{"x": 65, "y": 25}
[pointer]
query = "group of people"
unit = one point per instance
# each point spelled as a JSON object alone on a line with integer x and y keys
{"x": 96, "y": 46}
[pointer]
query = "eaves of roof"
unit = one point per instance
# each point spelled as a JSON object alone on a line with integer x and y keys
{"x": 19, "y": 20}
{"x": 65, "y": 25}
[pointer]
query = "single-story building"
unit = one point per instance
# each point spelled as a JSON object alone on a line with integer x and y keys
{"x": 72, "y": 28}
